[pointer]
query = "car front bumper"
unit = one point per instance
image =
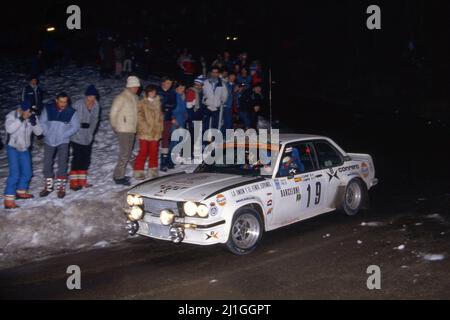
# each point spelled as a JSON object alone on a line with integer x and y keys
{"x": 204, "y": 234}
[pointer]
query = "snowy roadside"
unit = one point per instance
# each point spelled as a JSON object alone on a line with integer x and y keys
{"x": 84, "y": 219}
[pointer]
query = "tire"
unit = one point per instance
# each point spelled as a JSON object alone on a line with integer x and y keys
{"x": 244, "y": 241}
{"x": 354, "y": 197}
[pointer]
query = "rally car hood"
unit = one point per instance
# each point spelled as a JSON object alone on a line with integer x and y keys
{"x": 187, "y": 186}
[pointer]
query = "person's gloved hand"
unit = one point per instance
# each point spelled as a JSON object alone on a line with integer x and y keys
{"x": 85, "y": 125}
{"x": 33, "y": 120}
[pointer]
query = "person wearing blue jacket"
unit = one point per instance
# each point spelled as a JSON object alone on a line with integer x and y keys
{"x": 34, "y": 94}
{"x": 228, "y": 108}
{"x": 180, "y": 117}
{"x": 168, "y": 103}
{"x": 59, "y": 123}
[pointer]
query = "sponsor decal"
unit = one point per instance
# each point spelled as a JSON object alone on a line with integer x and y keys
{"x": 298, "y": 180}
{"x": 283, "y": 182}
{"x": 213, "y": 211}
{"x": 212, "y": 235}
{"x": 349, "y": 168}
{"x": 245, "y": 199}
{"x": 332, "y": 175}
{"x": 365, "y": 170}
{"x": 269, "y": 203}
{"x": 290, "y": 192}
{"x": 221, "y": 200}
{"x": 269, "y": 211}
{"x": 166, "y": 188}
{"x": 250, "y": 189}
{"x": 299, "y": 197}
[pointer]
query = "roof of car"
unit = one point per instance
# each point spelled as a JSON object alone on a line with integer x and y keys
{"x": 289, "y": 137}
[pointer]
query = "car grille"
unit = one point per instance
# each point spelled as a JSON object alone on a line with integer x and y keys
{"x": 155, "y": 206}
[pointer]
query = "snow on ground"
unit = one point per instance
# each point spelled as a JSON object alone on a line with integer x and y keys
{"x": 90, "y": 218}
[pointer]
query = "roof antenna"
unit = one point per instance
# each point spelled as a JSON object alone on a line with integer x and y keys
{"x": 270, "y": 100}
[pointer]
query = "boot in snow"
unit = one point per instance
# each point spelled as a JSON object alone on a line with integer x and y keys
{"x": 139, "y": 174}
{"x": 164, "y": 162}
{"x": 48, "y": 188}
{"x": 153, "y": 173}
{"x": 82, "y": 179}
{"x": 61, "y": 187}
{"x": 23, "y": 195}
{"x": 10, "y": 203}
{"x": 74, "y": 181}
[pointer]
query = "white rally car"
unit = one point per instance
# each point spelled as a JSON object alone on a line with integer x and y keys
{"x": 234, "y": 205}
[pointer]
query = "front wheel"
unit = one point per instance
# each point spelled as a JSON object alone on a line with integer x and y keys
{"x": 354, "y": 197}
{"x": 246, "y": 231}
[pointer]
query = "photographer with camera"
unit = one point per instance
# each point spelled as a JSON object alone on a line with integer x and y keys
{"x": 20, "y": 125}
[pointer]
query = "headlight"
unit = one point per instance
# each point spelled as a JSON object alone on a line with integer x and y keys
{"x": 190, "y": 208}
{"x": 134, "y": 200}
{"x": 202, "y": 211}
{"x": 136, "y": 214}
{"x": 167, "y": 217}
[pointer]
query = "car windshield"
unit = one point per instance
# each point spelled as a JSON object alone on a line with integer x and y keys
{"x": 244, "y": 161}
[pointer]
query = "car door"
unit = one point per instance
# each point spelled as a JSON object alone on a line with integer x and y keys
{"x": 330, "y": 162}
{"x": 299, "y": 186}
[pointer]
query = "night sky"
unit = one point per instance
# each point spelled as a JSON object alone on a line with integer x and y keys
{"x": 321, "y": 40}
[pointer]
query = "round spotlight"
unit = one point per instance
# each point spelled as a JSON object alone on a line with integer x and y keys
{"x": 190, "y": 208}
{"x": 167, "y": 217}
{"x": 202, "y": 211}
{"x": 136, "y": 214}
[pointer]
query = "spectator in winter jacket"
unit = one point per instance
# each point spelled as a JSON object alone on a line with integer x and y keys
{"x": 20, "y": 125}
{"x": 33, "y": 93}
{"x": 168, "y": 103}
{"x": 255, "y": 73}
{"x": 215, "y": 95}
{"x": 149, "y": 131}
{"x": 123, "y": 118}
{"x": 228, "y": 108}
{"x": 227, "y": 62}
{"x": 119, "y": 57}
{"x": 244, "y": 78}
{"x": 180, "y": 116}
{"x": 88, "y": 112}
{"x": 195, "y": 107}
{"x": 251, "y": 103}
{"x": 188, "y": 67}
{"x": 59, "y": 123}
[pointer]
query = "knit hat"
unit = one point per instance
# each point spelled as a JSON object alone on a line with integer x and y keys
{"x": 200, "y": 80}
{"x": 133, "y": 82}
{"x": 91, "y": 91}
{"x": 25, "y": 105}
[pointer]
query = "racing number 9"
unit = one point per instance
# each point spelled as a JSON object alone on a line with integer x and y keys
{"x": 318, "y": 194}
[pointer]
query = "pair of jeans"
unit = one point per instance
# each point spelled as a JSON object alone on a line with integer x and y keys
{"x": 20, "y": 171}
{"x": 62, "y": 154}
{"x": 147, "y": 150}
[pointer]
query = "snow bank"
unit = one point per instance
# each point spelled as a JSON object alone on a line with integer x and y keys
{"x": 84, "y": 219}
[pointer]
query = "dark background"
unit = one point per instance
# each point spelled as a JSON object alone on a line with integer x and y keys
{"x": 332, "y": 75}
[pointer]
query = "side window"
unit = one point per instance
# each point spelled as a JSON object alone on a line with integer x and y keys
{"x": 297, "y": 159}
{"x": 328, "y": 156}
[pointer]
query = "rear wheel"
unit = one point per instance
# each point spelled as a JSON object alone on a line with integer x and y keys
{"x": 246, "y": 231}
{"x": 354, "y": 197}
